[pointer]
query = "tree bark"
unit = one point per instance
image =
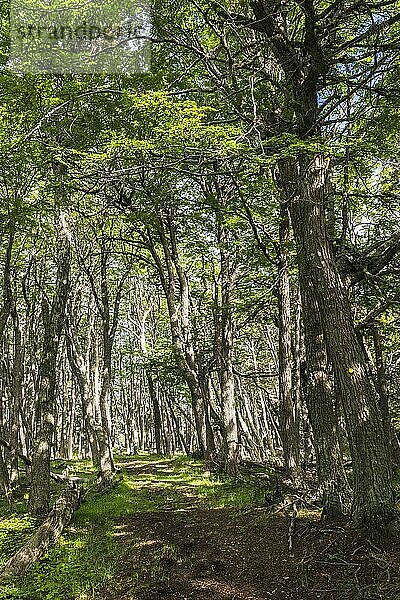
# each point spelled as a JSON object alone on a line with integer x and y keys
{"x": 80, "y": 365}
{"x": 384, "y": 396}
{"x": 332, "y": 479}
{"x": 373, "y": 504}
{"x": 289, "y": 426}
{"x": 231, "y": 449}
{"x": 53, "y": 322}
{"x": 45, "y": 536}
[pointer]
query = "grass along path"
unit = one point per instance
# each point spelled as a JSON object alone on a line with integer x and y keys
{"x": 169, "y": 531}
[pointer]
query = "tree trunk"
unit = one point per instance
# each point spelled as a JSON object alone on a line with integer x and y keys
{"x": 373, "y": 504}
{"x": 53, "y": 321}
{"x": 150, "y": 383}
{"x": 176, "y": 288}
{"x": 384, "y": 396}
{"x": 17, "y": 387}
{"x": 319, "y": 399}
{"x": 81, "y": 362}
{"x": 156, "y": 412}
{"x": 45, "y": 536}
{"x": 289, "y": 426}
{"x": 231, "y": 451}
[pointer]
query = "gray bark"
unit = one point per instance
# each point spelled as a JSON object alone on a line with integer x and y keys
{"x": 53, "y": 317}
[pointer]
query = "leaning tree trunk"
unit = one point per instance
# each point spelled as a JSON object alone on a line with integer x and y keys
{"x": 319, "y": 278}
{"x": 46, "y": 535}
{"x": 53, "y": 321}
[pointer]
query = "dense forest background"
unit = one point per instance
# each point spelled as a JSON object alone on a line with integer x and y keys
{"x": 204, "y": 258}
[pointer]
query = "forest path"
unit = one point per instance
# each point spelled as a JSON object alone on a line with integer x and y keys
{"x": 193, "y": 540}
{"x": 169, "y": 531}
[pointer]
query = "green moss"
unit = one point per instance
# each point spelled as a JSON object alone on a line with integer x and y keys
{"x": 222, "y": 493}
{"x": 14, "y": 531}
{"x": 125, "y": 499}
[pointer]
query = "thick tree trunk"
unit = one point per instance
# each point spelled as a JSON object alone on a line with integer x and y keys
{"x": 39, "y": 497}
{"x": 384, "y": 396}
{"x": 332, "y": 478}
{"x": 373, "y": 504}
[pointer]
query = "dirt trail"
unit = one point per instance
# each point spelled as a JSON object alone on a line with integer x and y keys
{"x": 186, "y": 551}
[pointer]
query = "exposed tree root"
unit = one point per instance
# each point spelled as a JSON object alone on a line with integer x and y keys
{"x": 105, "y": 483}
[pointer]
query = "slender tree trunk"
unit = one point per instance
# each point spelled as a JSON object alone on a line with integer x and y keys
{"x": 156, "y": 412}
{"x": 71, "y": 426}
{"x": 153, "y": 395}
{"x": 80, "y": 363}
{"x": 174, "y": 282}
{"x": 289, "y": 425}
{"x": 107, "y": 466}
{"x": 53, "y": 321}
{"x": 231, "y": 450}
{"x": 4, "y": 475}
{"x": 17, "y": 387}
{"x": 4, "y": 316}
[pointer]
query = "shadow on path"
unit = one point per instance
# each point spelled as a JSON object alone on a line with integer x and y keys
{"x": 187, "y": 550}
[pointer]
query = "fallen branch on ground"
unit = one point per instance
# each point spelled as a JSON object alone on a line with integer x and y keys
{"x": 52, "y": 527}
{"x": 46, "y": 535}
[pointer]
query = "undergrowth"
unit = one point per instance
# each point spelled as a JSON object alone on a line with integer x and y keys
{"x": 87, "y": 556}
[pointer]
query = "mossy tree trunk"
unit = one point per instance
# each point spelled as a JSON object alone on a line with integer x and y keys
{"x": 323, "y": 291}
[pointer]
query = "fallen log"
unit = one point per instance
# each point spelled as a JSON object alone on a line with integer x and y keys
{"x": 52, "y": 527}
{"x": 46, "y": 535}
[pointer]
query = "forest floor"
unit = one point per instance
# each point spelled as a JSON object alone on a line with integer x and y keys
{"x": 171, "y": 531}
